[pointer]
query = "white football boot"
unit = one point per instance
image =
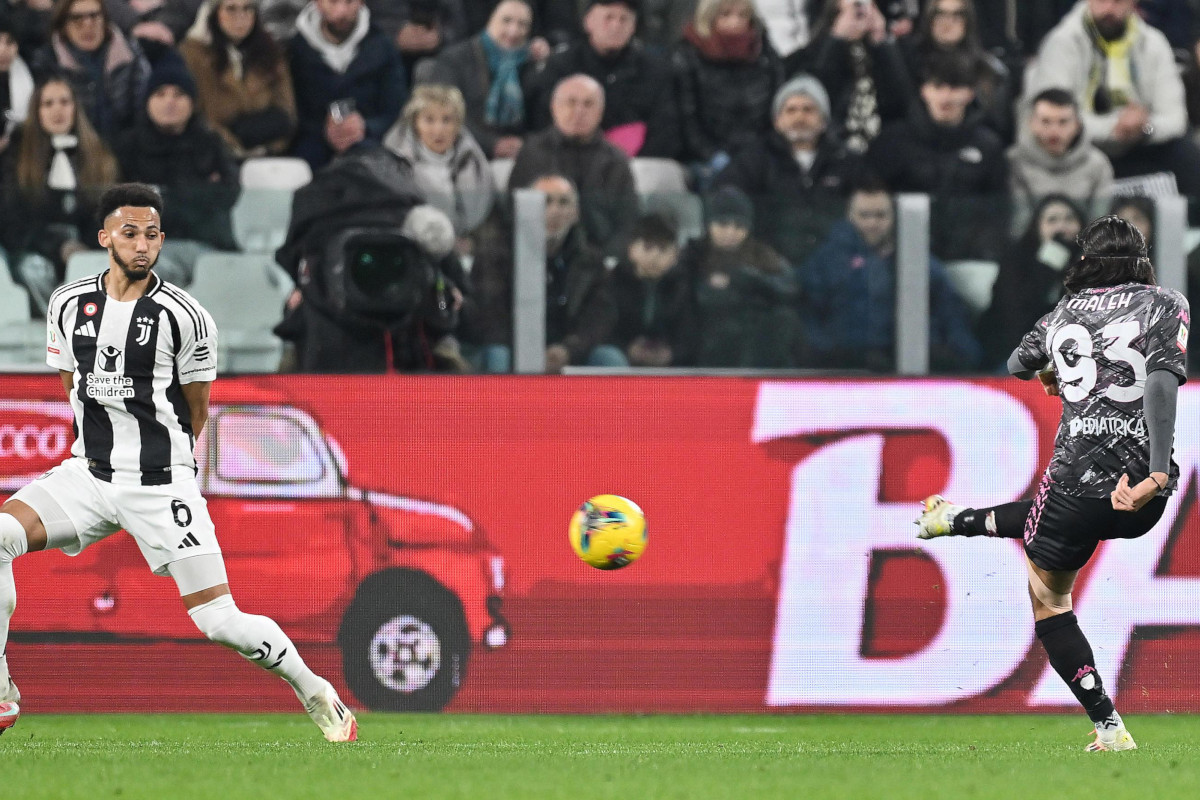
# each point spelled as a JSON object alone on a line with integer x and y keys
{"x": 1111, "y": 740}
{"x": 331, "y": 715}
{"x": 937, "y": 515}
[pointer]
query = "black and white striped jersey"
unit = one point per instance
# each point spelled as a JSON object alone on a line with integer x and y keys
{"x": 130, "y": 361}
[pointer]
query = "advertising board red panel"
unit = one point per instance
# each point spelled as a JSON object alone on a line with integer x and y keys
{"x": 782, "y": 571}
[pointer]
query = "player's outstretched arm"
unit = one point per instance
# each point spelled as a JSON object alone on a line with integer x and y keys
{"x": 196, "y": 394}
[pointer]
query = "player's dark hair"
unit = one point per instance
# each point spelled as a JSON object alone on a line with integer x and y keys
{"x": 137, "y": 195}
{"x": 1114, "y": 252}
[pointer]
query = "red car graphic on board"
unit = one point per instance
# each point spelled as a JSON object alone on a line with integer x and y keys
{"x": 404, "y": 586}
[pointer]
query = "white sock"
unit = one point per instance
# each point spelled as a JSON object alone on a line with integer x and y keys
{"x": 258, "y": 639}
{"x": 13, "y": 543}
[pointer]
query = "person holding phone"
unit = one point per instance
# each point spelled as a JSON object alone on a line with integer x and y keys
{"x": 352, "y": 78}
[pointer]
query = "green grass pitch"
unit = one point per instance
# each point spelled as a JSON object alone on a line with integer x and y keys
{"x": 132, "y": 756}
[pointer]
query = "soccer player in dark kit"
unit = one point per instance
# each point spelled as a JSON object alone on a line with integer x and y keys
{"x": 1115, "y": 351}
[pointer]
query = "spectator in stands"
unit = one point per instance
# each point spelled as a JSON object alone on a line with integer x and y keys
{"x": 16, "y": 81}
{"x": 1122, "y": 73}
{"x": 654, "y": 326}
{"x": 279, "y": 17}
{"x": 420, "y": 28}
{"x": 1138, "y": 210}
{"x": 797, "y": 174}
{"x": 243, "y": 86}
{"x": 573, "y": 147}
{"x": 849, "y": 286}
{"x": 488, "y": 70}
{"x": 661, "y": 22}
{"x": 641, "y": 115}
{"x": 172, "y": 148}
{"x": 351, "y": 79}
{"x": 450, "y": 170}
{"x": 106, "y": 68}
{"x": 952, "y": 26}
{"x": 743, "y": 293}
{"x": 861, "y": 68}
{"x": 727, "y": 75}
{"x": 54, "y": 171}
{"x": 1053, "y": 156}
{"x": 1030, "y": 281}
{"x": 30, "y": 24}
{"x": 580, "y": 310}
{"x": 157, "y": 25}
{"x": 943, "y": 149}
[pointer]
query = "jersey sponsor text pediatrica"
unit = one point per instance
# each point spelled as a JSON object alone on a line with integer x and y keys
{"x": 130, "y": 360}
{"x": 1102, "y": 343}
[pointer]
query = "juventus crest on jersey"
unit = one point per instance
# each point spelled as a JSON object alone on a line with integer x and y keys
{"x": 131, "y": 360}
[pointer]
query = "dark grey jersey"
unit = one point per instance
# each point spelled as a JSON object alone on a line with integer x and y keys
{"x": 1102, "y": 344}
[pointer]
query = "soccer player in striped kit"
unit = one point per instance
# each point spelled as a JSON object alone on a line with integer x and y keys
{"x": 137, "y": 357}
{"x": 1115, "y": 351}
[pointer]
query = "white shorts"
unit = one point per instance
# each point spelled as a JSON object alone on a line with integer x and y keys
{"x": 168, "y": 522}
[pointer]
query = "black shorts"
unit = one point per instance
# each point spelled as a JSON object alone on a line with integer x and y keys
{"x": 1062, "y": 532}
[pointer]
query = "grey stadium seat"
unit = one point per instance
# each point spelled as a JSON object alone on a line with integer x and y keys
{"x": 245, "y": 294}
{"x": 264, "y": 208}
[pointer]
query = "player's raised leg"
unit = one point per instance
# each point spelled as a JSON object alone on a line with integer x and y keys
{"x": 939, "y": 517}
{"x": 205, "y": 593}
{"x": 1071, "y": 656}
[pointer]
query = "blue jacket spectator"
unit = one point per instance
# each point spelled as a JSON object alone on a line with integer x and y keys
{"x": 349, "y": 78}
{"x": 849, "y": 286}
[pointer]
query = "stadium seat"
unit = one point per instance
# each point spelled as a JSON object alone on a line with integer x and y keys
{"x": 685, "y": 209}
{"x": 275, "y": 173}
{"x": 244, "y": 293}
{"x": 658, "y": 176}
{"x": 501, "y": 169}
{"x": 973, "y": 280}
{"x": 88, "y": 262}
{"x": 22, "y": 339}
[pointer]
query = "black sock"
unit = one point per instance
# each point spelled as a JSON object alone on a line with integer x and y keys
{"x": 1004, "y": 521}
{"x": 1071, "y": 656}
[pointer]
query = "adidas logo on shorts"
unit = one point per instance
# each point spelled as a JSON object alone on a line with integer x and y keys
{"x": 189, "y": 541}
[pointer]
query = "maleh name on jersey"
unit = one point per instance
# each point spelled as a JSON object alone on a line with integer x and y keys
{"x": 1100, "y": 303}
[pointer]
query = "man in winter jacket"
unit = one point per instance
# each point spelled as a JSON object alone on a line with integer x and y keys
{"x": 1122, "y": 73}
{"x": 574, "y": 148}
{"x": 171, "y": 147}
{"x": 945, "y": 150}
{"x": 849, "y": 287}
{"x": 350, "y": 81}
{"x": 641, "y": 113}
{"x": 797, "y": 175}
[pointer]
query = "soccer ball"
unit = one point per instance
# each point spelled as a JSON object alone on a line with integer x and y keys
{"x": 608, "y": 532}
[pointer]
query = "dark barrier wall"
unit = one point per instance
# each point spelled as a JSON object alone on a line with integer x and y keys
{"x": 411, "y": 535}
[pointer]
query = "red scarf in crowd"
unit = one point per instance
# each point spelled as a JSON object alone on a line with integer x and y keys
{"x": 737, "y": 48}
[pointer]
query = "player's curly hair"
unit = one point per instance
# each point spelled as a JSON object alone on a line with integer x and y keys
{"x": 138, "y": 195}
{"x": 1114, "y": 252}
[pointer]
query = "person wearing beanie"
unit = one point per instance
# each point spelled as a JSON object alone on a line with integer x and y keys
{"x": 172, "y": 148}
{"x": 742, "y": 293}
{"x": 797, "y": 174}
{"x": 641, "y": 115}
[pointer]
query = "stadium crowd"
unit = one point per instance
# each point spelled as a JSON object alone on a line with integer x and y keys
{"x": 719, "y": 174}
